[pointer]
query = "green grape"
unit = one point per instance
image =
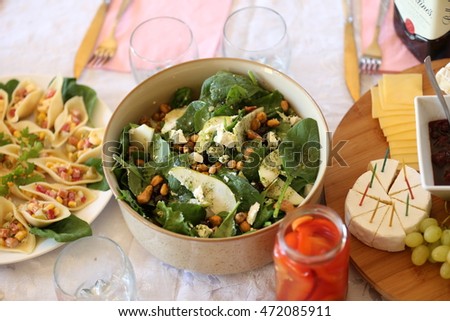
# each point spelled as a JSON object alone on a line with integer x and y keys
{"x": 448, "y": 257}
{"x": 413, "y": 239}
{"x": 426, "y": 222}
{"x": 445, "y": 237}
{"x": 439, "y": 253}
{"x": 432, "y": 234}
{"x": 420, "y": 254}
{"x": 431, "y": 247}
{"x": 445, "y": 270}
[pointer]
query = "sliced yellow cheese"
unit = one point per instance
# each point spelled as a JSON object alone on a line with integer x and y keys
{"x": 409, "y": 135}
{"x": 393, "y": 106}
{"x": 395, "y": 120}
{"x": 401, "y": 88}
{"x": 411, "y": 159}
{"x": 398, "y": 129}
{"x": 376, "y": 105}
{"x": 399, "y": 144}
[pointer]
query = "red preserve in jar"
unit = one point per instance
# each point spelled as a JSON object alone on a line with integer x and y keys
{"x": 424, "y": 27}
{"x": 311, "y": 255}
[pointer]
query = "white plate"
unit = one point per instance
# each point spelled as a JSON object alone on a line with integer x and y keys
{"x": 100, "y": 119}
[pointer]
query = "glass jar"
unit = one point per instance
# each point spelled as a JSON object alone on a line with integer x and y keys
{"x": 424, "y": 27}
{"x": 311, "y": 255}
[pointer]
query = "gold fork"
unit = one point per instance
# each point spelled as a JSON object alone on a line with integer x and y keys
{"x": 370, "y": 61}
{"x": 108, "y": 47}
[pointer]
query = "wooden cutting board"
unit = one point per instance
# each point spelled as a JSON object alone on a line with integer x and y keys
{"x": 391, "y": 274}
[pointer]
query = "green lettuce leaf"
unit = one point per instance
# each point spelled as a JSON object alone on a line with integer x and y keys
{"x": 66, "y": 230}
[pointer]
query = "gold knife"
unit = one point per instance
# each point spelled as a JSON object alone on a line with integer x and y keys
{"x": 90, "y": 38}
{"x": 350, "y": 53}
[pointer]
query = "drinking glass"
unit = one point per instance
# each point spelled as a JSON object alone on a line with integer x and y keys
{"x": 311, "y": 255}
{"x": 257, "y": 33}
{"x": 158, "y": 43}
{"x": 94, "y": 268}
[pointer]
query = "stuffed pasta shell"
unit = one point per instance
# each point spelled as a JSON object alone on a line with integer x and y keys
{"x": 73, "y": 197}
{"x": 9, "y": 155}
{"x": 45, "y": 136}
{"x": 50, "y": 105}
{"x": 73, "y": 116}
{"x": 85, "y": 143}
{"x": 4, "y": 130}
{"x": 66, "y": 172}
{"x": 14, "y": 231}
{"x": 43, "y": 213}
{"x": 23, "y": 101}
{"x": 3, "y": 103}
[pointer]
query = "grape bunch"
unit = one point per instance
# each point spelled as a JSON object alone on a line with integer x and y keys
{"x": 430, "y": 243}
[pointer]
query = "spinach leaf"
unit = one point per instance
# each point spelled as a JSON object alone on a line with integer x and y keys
{"x": 160, "y": 149}
{"x": 187, "y": 121}
{"x": 271, "y": 103}
{"x": 71, "y": 88}
{"x": 201, "y": 117}
{"x": 126, "y": 196}
{"x": 300, "y": 155}
{"x": 193, "y": 213}
{"x": 264, "y": 216}
{"x": 252, "y": 163}
{"x": 300, "y": 151}
{"x": 9, "y": 87}
{"x": 181, "y": 98}
{"x": 228, "y": 226}
{"x": 227, "y": 88}
{"x": 172, "y": 220}
{"x": 66, "y": 230}
{"x": 246, "y": 194}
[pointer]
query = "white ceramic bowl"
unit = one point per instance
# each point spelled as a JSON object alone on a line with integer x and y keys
{"x": 428, "y": 109}
{"x": 213, "y": 256}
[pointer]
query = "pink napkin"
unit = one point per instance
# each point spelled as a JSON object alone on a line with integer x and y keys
{"x": 396, "y": 56}
{"x": 205, "y": 18}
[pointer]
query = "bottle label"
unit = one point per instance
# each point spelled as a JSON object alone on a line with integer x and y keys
{"x": 429, "y": 19}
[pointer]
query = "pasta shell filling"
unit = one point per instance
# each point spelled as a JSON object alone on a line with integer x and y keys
{"x": 12, "y": 232}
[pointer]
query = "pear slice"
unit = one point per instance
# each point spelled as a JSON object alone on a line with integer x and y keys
{"x": 207, "y": 189}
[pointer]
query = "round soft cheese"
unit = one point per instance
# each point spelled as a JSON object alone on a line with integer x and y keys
{"x": 385, "y": 203}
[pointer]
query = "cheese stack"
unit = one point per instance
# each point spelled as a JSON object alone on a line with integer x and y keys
{"x": 393, "y": 106}
{"x": 382, "y": 213}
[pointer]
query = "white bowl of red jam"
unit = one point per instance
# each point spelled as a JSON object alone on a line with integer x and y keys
{"x": 433, "y": 145}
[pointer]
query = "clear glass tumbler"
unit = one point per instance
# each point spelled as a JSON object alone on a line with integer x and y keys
{"x": 259, "y": 34}
{"x": 311, "y": 255}
{"x": 158, "y": 43}
{"x": 94, "y": 268}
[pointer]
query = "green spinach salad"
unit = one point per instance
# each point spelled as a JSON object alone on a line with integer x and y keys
{"x": 230, "y": 162}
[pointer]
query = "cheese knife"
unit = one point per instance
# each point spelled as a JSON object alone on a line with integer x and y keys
{"x": 351, "y": 64}
{"x": 90, "y": 38}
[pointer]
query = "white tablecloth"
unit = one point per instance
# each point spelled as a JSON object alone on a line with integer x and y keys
{"x": 42, "y": 36}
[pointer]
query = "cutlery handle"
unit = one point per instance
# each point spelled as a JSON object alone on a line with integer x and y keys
{"x": 120, "y": 12}
{"x": 384, "y": 6}
{"x": 123, "y": 7}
